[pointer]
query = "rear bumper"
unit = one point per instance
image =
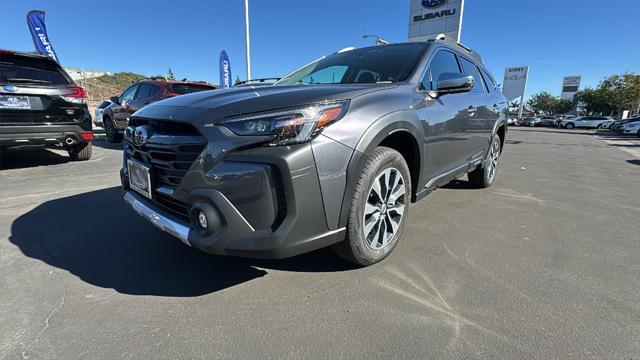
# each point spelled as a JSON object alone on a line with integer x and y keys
{"x": 41, "y": 135}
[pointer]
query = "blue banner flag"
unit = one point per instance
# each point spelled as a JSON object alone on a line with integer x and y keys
{"x": 225, "y": 71}
{"x": 35, "y": 20}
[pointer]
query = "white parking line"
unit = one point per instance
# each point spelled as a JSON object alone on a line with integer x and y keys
{"x": 630, "y": 147}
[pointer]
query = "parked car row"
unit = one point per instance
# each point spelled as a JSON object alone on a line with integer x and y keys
{"x": 625, "y": 126}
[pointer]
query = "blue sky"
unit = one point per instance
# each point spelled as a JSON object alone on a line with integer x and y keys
{"x": 555, "y": 38}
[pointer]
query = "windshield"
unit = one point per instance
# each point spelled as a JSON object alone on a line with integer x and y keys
{"x": 389, "y": 63}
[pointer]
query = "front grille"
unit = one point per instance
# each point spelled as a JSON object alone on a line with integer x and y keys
{"x": 169, "y": 153}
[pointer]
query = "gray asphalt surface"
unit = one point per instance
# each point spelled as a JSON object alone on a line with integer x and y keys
{"x": 545, "y": 264}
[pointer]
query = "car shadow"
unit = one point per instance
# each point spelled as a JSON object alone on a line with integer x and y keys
{"x": 107, "y": 145}
{"x": 30, "y": 157}
{"x": 96, "y": 237}
{"x": 459, "y": 185}
{"x": 634, "y": 162}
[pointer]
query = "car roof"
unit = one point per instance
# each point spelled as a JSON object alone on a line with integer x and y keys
{"x": 172, "y": 82}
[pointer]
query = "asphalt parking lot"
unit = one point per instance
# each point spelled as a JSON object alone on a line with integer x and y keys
{"x": 545, "y": 264}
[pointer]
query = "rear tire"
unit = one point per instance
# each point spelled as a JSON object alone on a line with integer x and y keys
{"x": 110, "y": 131}
{"x": 485, "y": 175}
{"x": 80, "y": 152}
{"x": 379, "y": 209}
{"x": 569, "y": 126}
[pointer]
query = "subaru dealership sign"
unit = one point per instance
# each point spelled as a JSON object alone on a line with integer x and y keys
{"x": 429, "y": 18}
{"x": 570, "y": 86}
{"x": 515, "y": 82}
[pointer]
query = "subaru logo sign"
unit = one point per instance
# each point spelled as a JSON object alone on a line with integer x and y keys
{"x": 433, "y": 3}
{"x": 10, "y": 88}
{"x": 141, "y": 135}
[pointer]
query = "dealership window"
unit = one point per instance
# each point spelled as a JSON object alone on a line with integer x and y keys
{"x": 442, "y": 62}
{"x": 470, "y": 68}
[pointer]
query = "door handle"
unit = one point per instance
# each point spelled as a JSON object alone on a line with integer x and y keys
{"x": 471, "y": 111}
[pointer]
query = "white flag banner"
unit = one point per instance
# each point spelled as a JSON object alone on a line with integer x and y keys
{"x": 515, "y": 82}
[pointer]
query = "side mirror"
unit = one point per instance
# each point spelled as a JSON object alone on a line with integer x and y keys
{"x": 450, "y": 83}
{"x": 115, "y": 99}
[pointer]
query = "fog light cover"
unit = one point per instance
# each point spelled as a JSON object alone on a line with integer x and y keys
{"x": 202, "y": 220}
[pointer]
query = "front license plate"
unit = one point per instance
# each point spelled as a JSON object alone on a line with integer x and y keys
{"x": 139, "y": 178}
{"x": 13, "y": 102}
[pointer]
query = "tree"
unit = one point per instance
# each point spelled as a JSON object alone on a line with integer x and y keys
{"x": 622, "y": 91}
{"x": 563, "y": 106}
{"x": 543, "y": 103}
{"x": 170, "y": 75}
{"x": 594, "y": 101}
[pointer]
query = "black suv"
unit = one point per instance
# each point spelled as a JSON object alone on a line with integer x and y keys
{"x": 331, "y": 155}
{"x": 41, "y": 106}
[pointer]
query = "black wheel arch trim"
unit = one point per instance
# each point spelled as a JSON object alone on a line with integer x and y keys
{"x": 392, "y": 123}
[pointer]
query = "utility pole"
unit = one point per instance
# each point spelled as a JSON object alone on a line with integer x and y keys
{"x": 246, "y": 33}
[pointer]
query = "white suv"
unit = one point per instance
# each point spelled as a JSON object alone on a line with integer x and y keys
{"x": 590, "y": 122}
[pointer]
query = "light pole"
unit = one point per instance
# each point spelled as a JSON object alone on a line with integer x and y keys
{"x": 246, "y": 34}
{"x": 379, "y": 40}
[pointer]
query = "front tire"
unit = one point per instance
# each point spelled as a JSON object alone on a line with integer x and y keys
{"x": 569, "y": 126}
{"x": 80, "y": 152}
{"x": 379, "y": 209}
{"x": 110, "y": 131}
{"x": 485, "y": 175}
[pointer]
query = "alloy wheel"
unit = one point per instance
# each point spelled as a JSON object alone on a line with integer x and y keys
{"x": 384, "y": 209}
{"x": 494, "y": 157}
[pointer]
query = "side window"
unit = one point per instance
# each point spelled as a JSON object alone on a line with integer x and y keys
{"x": 488, "y": 81}
{"x": 470, "y": 68}
{"x": 129, "y": 94}
{"x": 154, "y": 90}
{"x": 442, "y": 62}
{"x": 144, "y": 91}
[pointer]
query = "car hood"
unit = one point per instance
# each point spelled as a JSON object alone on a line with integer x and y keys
{"x": 217, "y": 104}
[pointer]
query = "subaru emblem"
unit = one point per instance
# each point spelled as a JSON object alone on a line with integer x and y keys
{"x": 433, "y": 3}
{"x": 141, "y": 135}
{"x": 10, "y": 88}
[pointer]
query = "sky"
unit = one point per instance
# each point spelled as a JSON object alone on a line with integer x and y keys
{"x": 554, "y": 38}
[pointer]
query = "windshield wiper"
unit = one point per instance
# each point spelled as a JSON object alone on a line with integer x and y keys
{"x": 29, "y": 81}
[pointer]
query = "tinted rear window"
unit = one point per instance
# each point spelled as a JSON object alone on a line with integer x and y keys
{"x": 181, "y": 89}
{"x": 15, "y": 69}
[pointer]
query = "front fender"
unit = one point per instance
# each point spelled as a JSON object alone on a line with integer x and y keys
{"x": 399, "y": 121}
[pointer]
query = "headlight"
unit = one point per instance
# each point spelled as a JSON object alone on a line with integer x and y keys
{"x": 290, "y": 126}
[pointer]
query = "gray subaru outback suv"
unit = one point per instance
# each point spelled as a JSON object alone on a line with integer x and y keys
{"x": 331, "y": 155}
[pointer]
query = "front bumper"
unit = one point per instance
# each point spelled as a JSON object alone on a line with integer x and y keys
{"x": 267, "y": 202}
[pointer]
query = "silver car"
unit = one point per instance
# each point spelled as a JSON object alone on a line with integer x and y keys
{"x": 332, "y": 155}
{"x": 585, "y": 122}
{"x": 632, "y": 128}
{"x": 97, "y": 115}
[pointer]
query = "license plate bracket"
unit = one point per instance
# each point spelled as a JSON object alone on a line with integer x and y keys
{"x": 14, "y": 102}
{"x": 139, "y": 178}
